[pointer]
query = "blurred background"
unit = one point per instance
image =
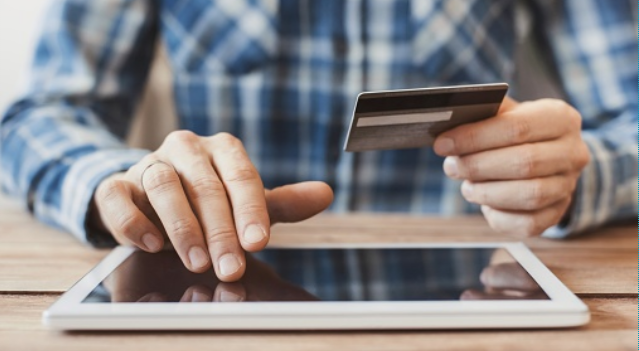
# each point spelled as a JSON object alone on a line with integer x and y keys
{"x": 20, "y": 25}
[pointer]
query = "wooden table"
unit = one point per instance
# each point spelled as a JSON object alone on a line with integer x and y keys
{"x": 38, "y": 263}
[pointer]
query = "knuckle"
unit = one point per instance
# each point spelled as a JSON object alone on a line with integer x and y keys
{"x": 556, "y": 104}
{"x": 135, "y": 172}
{"x": 567, "y": 113}
{"x": 207, "y": 187}
{"x": 126, "y": 224}
{"x": 249, "y": 209}
{"x": 139, "y": 167}
{"x": 528, "y": 163}
{"x": 520, "y": 130}
{"x": 109, "y": 189}
{"x": 559, "y": 105}
{"x": 222, "y": 235}
{"x": 536, "y": 197}
{"x": 183, "y": 229}
{"x": 181, "y": 137}
{"x": 227, "y": 140}
{"x": 469, "y": 141}
{"x": 241, "y": 175}
{"x": 147, "y": 159}
{"x": 160, "y": 180}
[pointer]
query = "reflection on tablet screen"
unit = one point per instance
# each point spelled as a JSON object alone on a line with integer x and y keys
{"x": 327, "y": 275}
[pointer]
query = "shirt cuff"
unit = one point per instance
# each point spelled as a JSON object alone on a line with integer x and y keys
{"x": 593, "y": 182}
{"x": 80, "y": 183}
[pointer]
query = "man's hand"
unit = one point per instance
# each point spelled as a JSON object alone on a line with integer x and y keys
{"x": 205, "y": 195}
{"x": 522, "y": 165}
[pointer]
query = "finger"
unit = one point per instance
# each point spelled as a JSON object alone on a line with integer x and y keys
{"x": 245, "y": 190}
{"x": 229, "y": 292}
{"x": 197, "y": 293}
{"x": 516, "y": 162}
{"x": 520, "y": 195}
{"x": 297, "y": 202}
{"x": 525, "y": 224}
{"x": 208, "y": 198}
{"x": 123, "y": 218}
{"x": 508, "y": 276}
{"x": 527, "y": 122}
{"x": 165, "y": 192}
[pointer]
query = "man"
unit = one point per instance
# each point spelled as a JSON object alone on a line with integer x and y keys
{"x": 265, "y": 88}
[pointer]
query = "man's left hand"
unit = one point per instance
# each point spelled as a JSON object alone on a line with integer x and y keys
{"x": 522, "y": 165}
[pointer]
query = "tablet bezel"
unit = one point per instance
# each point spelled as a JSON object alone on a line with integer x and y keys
{"x": 561, "y": 300}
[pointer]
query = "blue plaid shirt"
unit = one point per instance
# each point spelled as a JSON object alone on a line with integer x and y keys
{"x": 282, "y": 75}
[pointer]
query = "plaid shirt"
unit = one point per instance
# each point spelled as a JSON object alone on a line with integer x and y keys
{"x": 283, "y": 75}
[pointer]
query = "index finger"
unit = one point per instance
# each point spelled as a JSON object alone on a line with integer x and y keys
{"x": 516, "y": 124}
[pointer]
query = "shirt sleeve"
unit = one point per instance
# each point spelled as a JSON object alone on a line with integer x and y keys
{"x": 66, "y": 134}
{"x": 594, "y": 47}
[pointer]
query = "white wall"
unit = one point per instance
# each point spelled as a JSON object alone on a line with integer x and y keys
{"x": 19, "y": 27}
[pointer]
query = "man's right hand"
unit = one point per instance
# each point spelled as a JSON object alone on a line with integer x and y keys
{"x": 206, "y": 197}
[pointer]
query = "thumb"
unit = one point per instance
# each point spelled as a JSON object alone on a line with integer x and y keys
{"x": 297, "y": 202}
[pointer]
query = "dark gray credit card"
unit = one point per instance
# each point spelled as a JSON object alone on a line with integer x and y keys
{"x": 413, "y": 118}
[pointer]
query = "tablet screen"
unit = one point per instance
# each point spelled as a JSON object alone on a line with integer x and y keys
{"x": 401, "y": 274}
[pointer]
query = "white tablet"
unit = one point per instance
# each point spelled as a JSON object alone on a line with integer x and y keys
{"x": 353, "y": 286}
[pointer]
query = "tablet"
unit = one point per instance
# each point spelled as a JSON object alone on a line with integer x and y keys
{"x": 356, "y": 286}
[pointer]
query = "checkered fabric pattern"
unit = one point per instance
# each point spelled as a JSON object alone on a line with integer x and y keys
{"x": 283, "y": 75}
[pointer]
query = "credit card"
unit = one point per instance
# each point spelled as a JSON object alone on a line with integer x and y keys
{"x": 413, "y": 118}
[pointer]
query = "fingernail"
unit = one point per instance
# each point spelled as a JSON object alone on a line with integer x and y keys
{"x": 151, "y": 242}
{"x": 444, "y": 146}
{"x": 227, "y": 296}
{"x": 198, "y": 257}
{"x": 467, "y": 190}
{"x": 450, "y": 167}
{"x": 254, "y": 234}
{"x": 229, "y": 264}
